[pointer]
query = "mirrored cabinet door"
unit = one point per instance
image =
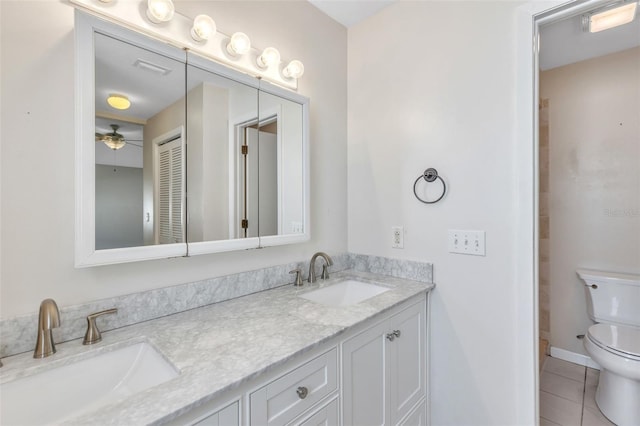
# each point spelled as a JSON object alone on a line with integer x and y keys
{"x": 139, "y": 146}
{"x": 219, "y": 110}
{"x": 280, "y": 145}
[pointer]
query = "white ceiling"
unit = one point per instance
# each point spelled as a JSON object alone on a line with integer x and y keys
{"x": 562, "y": 42}
{"x": 350, "y": 12}
{"x": 565, "y": 42}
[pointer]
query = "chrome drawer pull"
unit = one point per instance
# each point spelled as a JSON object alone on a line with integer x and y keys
{"x": 302, "y": 392}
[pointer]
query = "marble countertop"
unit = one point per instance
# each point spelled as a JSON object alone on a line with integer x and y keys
{"x": 218, "y": 347}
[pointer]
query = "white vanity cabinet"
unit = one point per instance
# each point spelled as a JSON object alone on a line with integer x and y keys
{"x": 384, "y": 371}
{"x": 373, "y": 374}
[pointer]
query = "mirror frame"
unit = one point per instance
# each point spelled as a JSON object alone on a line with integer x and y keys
{"x": 85, "y": 253}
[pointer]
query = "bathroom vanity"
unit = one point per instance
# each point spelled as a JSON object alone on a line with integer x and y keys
{"x": 272, "y": 358}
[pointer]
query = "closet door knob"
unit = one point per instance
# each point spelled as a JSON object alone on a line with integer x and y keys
{"x": 302, "y": 392}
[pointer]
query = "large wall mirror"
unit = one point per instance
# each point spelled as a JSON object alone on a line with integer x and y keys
{"x": 190, "y": 157}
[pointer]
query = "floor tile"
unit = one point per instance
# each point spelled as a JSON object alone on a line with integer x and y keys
{"x": 590, "y": 395}
{"x": 561, "y": 386}
{"x": 546, "y": 422}
{"x": 593, "y": 417}
{"x": 560, "y": 410}
{"x": 592, "y": 376}
{"x": 565, "y": 368}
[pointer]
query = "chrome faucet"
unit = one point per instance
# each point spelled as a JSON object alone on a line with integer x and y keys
{"x": 48, "y": 319}
{"x": 325, "y": 268}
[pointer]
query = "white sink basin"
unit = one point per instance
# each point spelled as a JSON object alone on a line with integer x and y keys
{"x": 344, "y": 293}
{"x": 70, "y": 390}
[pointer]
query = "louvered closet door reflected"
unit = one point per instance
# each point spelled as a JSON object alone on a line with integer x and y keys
{"x": 170, "y": 192}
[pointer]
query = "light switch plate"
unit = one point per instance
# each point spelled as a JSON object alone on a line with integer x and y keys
{"x": 467, "y": 242}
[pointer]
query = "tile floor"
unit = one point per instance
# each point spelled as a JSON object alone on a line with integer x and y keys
{"x": 567, "y": 395}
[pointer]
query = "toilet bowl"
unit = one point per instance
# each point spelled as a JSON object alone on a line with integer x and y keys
{"x": 614, "y": 342}
{"x": 616, "y": 349}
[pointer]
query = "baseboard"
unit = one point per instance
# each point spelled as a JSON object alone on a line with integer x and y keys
{"x": 573, "y": 357}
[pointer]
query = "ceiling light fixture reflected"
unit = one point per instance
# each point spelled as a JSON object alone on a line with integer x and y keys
{"x": 270, "y": 56}
{"x": 613, "y": 17}
{"x": 203, "y": 28}
{"x": 295, "y": 69}
{"x": 118, "y": 101}
{"x": 159, "y": 11}
{"x": 239, "y": 44}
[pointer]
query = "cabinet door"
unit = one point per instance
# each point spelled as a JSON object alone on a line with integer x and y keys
{"x": 226, "y": 417}
{"x": 418, "y": 417}
{"x": 407, "y": 361}
{"x": 326, "y": 416}
{"x": 364, "y": 378}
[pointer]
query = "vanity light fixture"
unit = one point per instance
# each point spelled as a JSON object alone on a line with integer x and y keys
{"x": 118, "y": 101}
{"x": 295, "y": 69}
{"x": 199, "y": 35}
{"x": 159, "y": 11}
{"x": 270, "y": 56}
{"x": 203, "y": 28}
{"x": 612, "y": 17}
{"x": 239, "y": 44}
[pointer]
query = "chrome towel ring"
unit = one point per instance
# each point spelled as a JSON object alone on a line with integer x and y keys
{"x": 429, "y": 175}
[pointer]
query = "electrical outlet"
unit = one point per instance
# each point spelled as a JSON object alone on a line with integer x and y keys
{"x": 467, "y": 242}
{"x": 397, "y": 233}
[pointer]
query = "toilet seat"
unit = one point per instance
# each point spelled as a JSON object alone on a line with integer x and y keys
{"x": 617, "y": 339}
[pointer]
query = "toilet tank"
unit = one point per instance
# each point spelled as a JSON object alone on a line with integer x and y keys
{"x": 612, "y": 297}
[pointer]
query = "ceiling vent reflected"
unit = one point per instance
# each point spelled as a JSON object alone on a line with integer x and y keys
{"x": 152, "y": 68}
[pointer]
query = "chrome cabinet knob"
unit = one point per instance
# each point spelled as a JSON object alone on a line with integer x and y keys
{"x": 302, "y": 392}
{"x": 397, "y": 333}
{"x": 391, "y": 336}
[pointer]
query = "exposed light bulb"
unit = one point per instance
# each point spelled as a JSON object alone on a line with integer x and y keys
{"x": 159, "y": 11}
{"x": 239, "y": 44}
{"x": 270, "y": 56}
{"x": 203, "y": 28}
{"x": 118, "y": 101}
{"x": 295, "y": 69}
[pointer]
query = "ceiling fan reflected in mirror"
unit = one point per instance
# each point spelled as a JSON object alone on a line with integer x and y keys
{"x": 115, "y": 140}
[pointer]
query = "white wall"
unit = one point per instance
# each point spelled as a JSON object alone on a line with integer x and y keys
{"x": 594, "y": 182}
{"x": 433, "y": 84}
{"x": 37, "y": 144}
{"x": 118, "y": 206}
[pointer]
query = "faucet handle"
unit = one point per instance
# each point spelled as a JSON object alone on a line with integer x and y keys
{"x": 298, "y": 281}
{"x": 93, "y": 334}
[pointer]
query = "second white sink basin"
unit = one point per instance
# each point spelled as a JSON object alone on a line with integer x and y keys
{"x": 344, "y": 293}
{"x": 70, "y": 390}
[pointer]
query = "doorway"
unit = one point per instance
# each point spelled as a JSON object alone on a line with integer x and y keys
{"x": 533, "y": 16}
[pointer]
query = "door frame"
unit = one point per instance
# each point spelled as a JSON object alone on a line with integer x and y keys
{"x": 530, "y": 17}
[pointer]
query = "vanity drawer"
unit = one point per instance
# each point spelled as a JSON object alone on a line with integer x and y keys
{"x": 285, "y": 398}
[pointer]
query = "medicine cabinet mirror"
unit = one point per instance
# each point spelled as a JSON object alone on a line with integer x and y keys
{"x": 200, "y": 159}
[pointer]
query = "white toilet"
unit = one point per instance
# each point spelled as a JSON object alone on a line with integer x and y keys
{"x": 613, "y": 301}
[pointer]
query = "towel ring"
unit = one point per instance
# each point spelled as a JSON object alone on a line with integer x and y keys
{"x": 429, "y": 175}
